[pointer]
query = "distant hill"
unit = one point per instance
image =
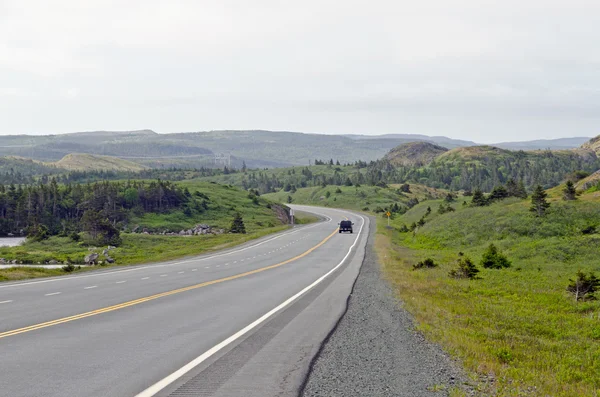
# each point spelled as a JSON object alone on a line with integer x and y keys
{"x": 593, "y": 144}
{"x": 485, "y": 167}
{"x": 414, "y": 154}
{"x": 474, "y": 153}
{"x": 256, "y": 148}
{"x": 554, "y": 144}
{"x": 89, "y": 162}
{"x": 439, "y": 140}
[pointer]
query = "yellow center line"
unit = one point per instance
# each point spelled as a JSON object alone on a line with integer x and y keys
{"x": 153, "y": 297}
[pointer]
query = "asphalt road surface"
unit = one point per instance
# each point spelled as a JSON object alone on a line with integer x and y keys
{"x": 242, "y": 322}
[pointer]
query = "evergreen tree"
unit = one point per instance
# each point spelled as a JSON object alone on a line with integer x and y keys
{"x": 521, "y": 191}
{"x": 494, "y": 259}
{"x": 539, "y": 205}
{"x": 237, "y": 225}
{"x": 512, "y": 188}
{"x": 569, "y": 192}
{"x": 499, "y": 193}
{"x": 465, "y": 268}
{"x": 479, "y": 199}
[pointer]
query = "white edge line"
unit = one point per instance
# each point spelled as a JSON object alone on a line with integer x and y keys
{"x": 160, "y": 385}
{"x": 5, "y": 302}
{"x": 157, "y": 265}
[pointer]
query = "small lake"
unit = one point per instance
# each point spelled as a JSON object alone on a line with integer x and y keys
{"x": 11, "y": 241}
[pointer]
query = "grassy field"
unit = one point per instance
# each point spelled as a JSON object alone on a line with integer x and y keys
{"x": 364, "y": 198}
{"x": 517, "y": 329}
{"x": 136, "y": 249}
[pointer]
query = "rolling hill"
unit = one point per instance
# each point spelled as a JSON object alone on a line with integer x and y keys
{"x": 256, "y": 148}
{"x": 90, "y": 162}
{"x": 414, "y": 154}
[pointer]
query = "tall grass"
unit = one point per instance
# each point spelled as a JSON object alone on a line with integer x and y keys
{"x": 517, "y": 328}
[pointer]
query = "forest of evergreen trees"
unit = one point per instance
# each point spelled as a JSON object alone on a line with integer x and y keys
{"x": 546, "y": 168}
{"x": 61, "y": 208}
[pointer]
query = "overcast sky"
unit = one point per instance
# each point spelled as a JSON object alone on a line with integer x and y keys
{"x": 474, "y": 69}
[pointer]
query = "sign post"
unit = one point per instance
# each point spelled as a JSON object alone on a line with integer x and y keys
{"x": 292, "y": 215}
{"x": 388, "y": 215}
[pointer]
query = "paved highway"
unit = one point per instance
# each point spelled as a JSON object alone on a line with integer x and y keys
{"x": 245, "y": 322}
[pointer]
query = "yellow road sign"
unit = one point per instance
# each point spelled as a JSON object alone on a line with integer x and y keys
{"x": 388, "y": 214}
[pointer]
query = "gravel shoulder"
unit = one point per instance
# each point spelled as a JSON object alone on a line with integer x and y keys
{"x": 375, "y": 349}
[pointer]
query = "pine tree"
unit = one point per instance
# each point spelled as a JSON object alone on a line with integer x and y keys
{"x": 499, "y": 193}
{"x": 494, "y": 259}
{"x": 512, "y": 188}
{"x": 237, "y": 225}
{"x": 465, "y": 268}
{"x": 569, "y": 192}
{"x": 521, "y": 191}
{"x": 539, "y": 205}
{"x": 479, "y": 199}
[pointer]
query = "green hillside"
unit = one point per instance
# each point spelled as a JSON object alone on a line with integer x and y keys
{"x": 518, "y": 325}
{"x": 200, "y": 203}
{"x": 363, "y": 198}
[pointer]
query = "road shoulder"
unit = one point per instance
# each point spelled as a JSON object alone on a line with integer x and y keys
{"x": 375, "y": 349}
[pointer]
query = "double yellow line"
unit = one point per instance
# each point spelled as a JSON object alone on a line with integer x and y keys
{"x": 157, "y": 296}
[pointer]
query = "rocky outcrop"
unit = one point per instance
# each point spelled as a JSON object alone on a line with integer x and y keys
{"x": 283, "y": 213}
{"x": 91, "y": 259}
{"x": 414, "y": 154}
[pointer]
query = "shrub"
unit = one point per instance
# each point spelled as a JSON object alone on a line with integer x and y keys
{"x": 68, "y": 268}
{"x": 38, "y": 233}
{"x": 465, "y": 268}
{"x": 584, "y": 286}
{"x": 427, "y": 263}
{"x": 444, "y": 207}
{"x": 338, "y": 191}
{"x": 589, "y": 230}
{"x": 494, "y": 259}
{"x": 403, "y": 229}
{"x": 75, "y": 237}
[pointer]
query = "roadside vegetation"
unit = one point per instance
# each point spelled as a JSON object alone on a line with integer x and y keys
{"x": 235, "y": 216}
{"x": 497, "y": 285}
{"x": 377, "y": 199}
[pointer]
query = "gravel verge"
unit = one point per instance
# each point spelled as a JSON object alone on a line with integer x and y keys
{"x": 375, "y": 349}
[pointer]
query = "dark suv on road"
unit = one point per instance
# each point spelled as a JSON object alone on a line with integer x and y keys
{"x": 346, "y": 226}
